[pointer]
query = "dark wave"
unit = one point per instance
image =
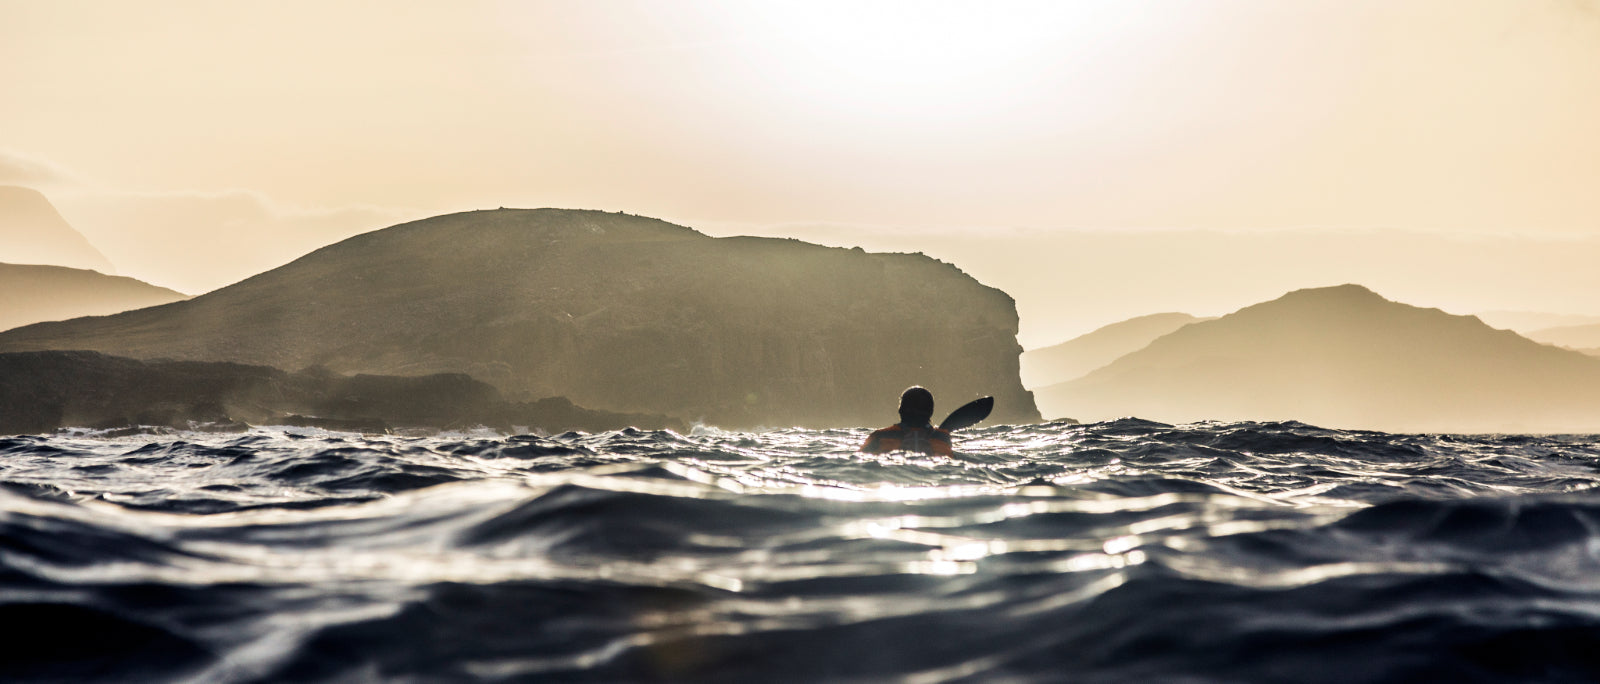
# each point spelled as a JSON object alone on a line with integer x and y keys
{"x": 1123, "y": 551}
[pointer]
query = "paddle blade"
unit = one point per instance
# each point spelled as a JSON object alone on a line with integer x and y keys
{"x": 969, "y": 415}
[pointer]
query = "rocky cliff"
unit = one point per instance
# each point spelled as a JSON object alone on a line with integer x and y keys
{"x": 43, "y": 391}
{"x": 615, "y": 312}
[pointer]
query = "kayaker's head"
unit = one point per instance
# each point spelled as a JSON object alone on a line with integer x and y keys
{"x": 916, "y": 406}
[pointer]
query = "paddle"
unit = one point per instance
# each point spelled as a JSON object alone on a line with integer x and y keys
{"x": 969, "y": 415}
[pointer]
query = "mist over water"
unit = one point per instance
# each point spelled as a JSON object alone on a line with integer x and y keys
{"x": 1119, "y": 551}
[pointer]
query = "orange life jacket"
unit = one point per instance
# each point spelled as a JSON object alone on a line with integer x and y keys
{"x": 927, "y": 440}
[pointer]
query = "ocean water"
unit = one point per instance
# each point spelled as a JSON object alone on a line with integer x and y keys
{"x": 1125, "y": 551}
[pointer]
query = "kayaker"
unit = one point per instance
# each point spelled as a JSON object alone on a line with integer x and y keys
{"x": 914, "y": 432}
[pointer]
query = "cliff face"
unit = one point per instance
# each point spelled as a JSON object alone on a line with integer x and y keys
{"x": 29, "y": 294}
{"x": 1344, "y": 357}
{"x": 615, "y": 312}
{"x": 33, "y": 232}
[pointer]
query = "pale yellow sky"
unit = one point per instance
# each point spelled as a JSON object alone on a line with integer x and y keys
{"x": 254, "y": 132}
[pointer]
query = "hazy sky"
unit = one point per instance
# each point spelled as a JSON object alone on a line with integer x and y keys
{"x": 1212, "y": 134}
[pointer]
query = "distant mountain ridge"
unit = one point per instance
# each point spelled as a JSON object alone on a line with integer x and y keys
{"x": 1570, "y": 336}
{"x": 1075, "y": 357}
{"x": 1344, "y": 357}
{"x": 31, "y": 293}
{"x": 33, "y": 232}
{"x": 1525, "y": 322}
{"x": 614, "y": 312}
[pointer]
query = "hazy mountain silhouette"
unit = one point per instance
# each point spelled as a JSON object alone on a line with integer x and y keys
{"x": 1526, "y": 322}
{"x": 1344, "y": 357}
{"x": 612, "y": 311}
{"x": 1079, "y": 355}
{"x": 29, "y": 294}
{"x": 33, "y": 232}
{"x": 1570, "y": 336}
{"x": 43, "y": 391}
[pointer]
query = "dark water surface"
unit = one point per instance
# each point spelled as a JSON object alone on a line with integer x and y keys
{"x": 1118, "y": 552}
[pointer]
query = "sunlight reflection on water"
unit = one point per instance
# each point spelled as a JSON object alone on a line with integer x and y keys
{"x": 647, "y": 555}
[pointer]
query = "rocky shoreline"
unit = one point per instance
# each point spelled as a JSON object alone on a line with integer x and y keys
{"x": 50, "y": 390}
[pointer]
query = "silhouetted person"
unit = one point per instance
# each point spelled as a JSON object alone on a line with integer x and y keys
{"x": 913, "y": 432}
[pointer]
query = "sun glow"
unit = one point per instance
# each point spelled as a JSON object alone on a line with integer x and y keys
{"x": 927, "y": 59}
